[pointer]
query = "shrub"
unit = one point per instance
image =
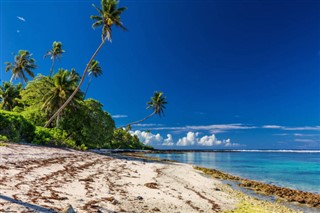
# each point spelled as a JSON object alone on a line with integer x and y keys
{"x": 122, "y": 139}
{"x": 15, "y": 127}
{"x": 55, "y": 137}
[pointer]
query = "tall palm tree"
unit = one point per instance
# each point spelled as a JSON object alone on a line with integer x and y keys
{"x": 94, "y": 71}
{"x": 55, "y": 53}
{"x": 157, "y": 104}
{"x": 23, "y": 64}
{"x": 9, "y": 95}
{"x": 109, "y": 15}
{"x": 62, "y": 85}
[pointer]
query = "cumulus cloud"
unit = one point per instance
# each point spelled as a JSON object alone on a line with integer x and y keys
{"x": 191, "y": 139}
{"x": 148, "y": 138}
{"x": 168, "y": 141}
{"x": 209, "y": 140}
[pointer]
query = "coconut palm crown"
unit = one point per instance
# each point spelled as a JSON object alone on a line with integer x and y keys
{"x": 9, "y": 95}
{"x": 23, "y": 64}
{"x": 157, "y": 103}
{"x": 109, "y": 15}
{"x": 55, "y": 53}
{"x": 94, "y": 70}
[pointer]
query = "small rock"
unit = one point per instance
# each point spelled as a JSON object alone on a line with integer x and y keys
{"x": 115, "y": 202}
{"x": 139, "y": 198}
{"x": 68, "y": 209}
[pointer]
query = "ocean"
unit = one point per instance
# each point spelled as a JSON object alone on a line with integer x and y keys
{"x": 295, "y": 169}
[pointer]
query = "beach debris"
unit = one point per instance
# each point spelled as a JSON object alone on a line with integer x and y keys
{"x": 115, "y": 202}
{"x": 156, "y": 209}
{"x": 68, "y": 209}
{"x": 139, "y": 198}
{"x": 151, "y": 185}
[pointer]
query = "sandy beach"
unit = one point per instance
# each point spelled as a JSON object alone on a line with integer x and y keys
{"x": 42, "y": 179}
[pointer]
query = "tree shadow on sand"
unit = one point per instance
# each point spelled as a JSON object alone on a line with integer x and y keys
{"x": 36, "y": 208}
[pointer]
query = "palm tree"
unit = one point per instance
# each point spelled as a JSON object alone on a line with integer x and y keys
{"x": 55, "y": 53}
{"x": 94, "y": 70}
{"x": 62, "y": 85}
{"x": 108, "y": 16}
{"x": 9, "y": 95}
{"x": 23, "y": 64}
{"x": 157, "y": 104}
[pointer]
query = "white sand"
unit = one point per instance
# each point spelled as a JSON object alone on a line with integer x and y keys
{"x": 39, "y": 179}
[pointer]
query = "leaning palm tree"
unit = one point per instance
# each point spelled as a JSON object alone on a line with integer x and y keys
{"x": 109, "y": 15}
{"x": 157, "y": 104}
{"x": 94, "y": 71}
{"x": 61, "y": 87}
{"x": 23, "y": 64}
{"x": 9, "y": 95}
{"x": 55, "y": 53}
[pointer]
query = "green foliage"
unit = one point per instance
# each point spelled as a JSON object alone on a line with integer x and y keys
{"x": 89, "y": 124}
{"x": 55, "y": 53}
{"x": 83, "y": 123}
{"x": 157, "y": 103}
{"x": 54, "y": 137}
{"x": 109, "y": 15}
{"x": 122, "y": 139}
{"x": 9, "y": 95}
{"x": 23, "y": 64}
{"x": 15, "y": 127}
{"x": 3, "y": 138}
{"x": 44, "y": 95}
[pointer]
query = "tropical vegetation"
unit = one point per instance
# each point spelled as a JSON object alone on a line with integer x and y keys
{"x": 52, "y": 110}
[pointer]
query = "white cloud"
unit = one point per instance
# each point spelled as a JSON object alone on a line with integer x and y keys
{"x": 209, "y": 140}
{"x": 119, "y": 116}
{"x": 216, "y": 128}
{"x": 21, "y": 18}
{"x": 189, "y": 140}
{"x": 312, "y": 128}
{"x": 304, "y": 140}
{"x": 272, "y": 127}
{"x": 301, "y": 128}
{"x": 148, "y": 138}
{"x": 168, "y": 141}
{"x": 193, "y": 138}
{"x": 146, "y": 125}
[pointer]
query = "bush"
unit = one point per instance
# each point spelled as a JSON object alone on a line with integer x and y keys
{"x": 3, "y": 138}
{"x": 15, "y": 127}
{"x": 55, "y": 137}
{"x": 122, "y": 139}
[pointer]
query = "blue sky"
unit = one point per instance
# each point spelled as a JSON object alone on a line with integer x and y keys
{"x": 237, "y": 74}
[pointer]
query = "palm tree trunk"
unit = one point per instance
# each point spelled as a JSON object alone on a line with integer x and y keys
{"x": 139, "y": 121}
{"x": 85, "y": 94}
{"x": 11, "y": 79}
{"x": 51, "y": 70}
{"x": 78, "y": 87}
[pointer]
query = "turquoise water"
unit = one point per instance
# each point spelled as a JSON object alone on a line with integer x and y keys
{"x": 296, "y": 170}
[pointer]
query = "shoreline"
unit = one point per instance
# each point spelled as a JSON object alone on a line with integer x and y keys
{"x": 45, "y": 179}
{"x": 292, "y": 197}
